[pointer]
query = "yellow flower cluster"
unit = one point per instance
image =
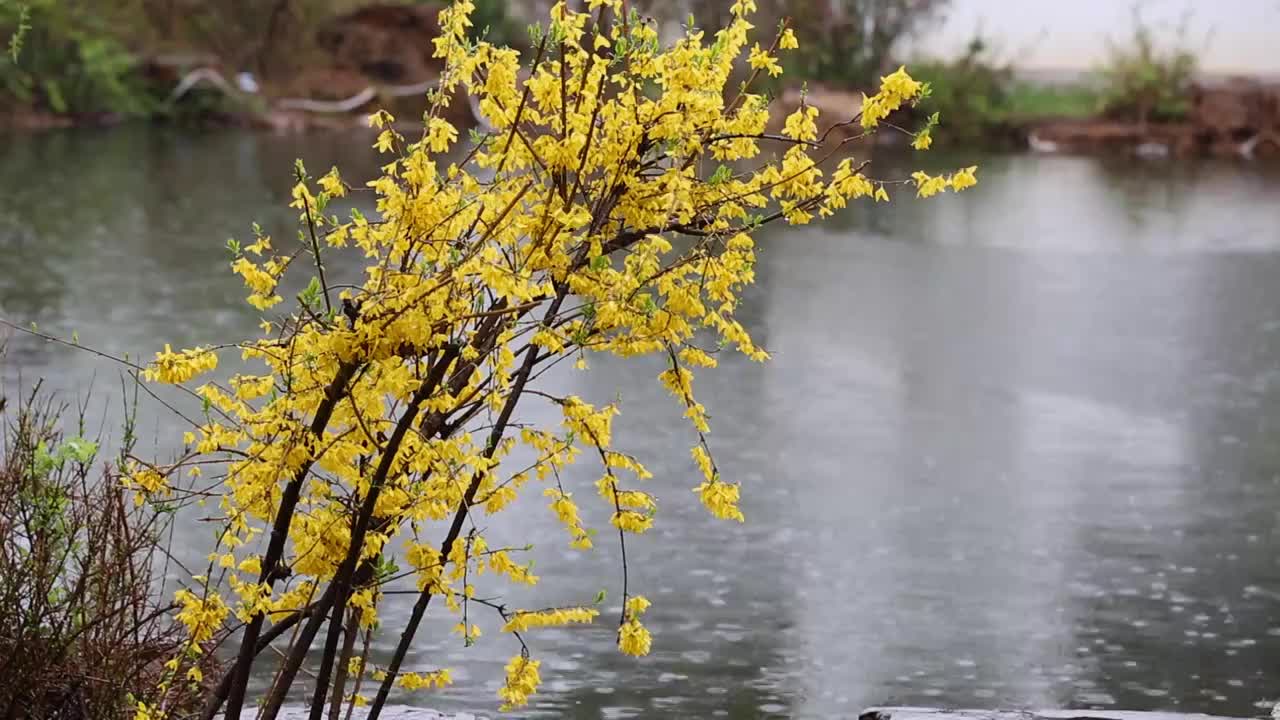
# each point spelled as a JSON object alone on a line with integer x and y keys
{"x": 721, "y": 498}
{"x": 438, "y": 679}
{"x": 929, "y": 185}
{"x": 146, "y": 481}
{"x": 261, "y": 280}
{"x": 762, "y": 60}
{"x": 202, "y": 616}
{"x": 469, "y": 633}
{"x": 718, "y": 496}
{"x": 567, "y": 511}
{"x": 143, "y": 711}
{"x": 175, "y": 368}
{"x": 521, "y": 682}
{"x": 523, "y": 620}
{"x": 595, "y": 426}
{"x": 609, "y": 208}
{"x": 801, "y": 124}
{"x": 896, "y": 89}
{"x": 633, "y": 637}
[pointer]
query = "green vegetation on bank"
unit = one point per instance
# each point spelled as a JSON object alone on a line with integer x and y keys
{"x": 86, "y": 625}
{"x": 1031, "y": 101}
{"x": 68, "y": 58}
{"x": 980, "y": 96}
{"x": 1145, "y": 77}
{"x": 88, "y": 58}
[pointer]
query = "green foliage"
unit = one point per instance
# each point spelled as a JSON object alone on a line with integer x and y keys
{"x": 1031, "y": 101}
{"x": 71, "y": 60}
{"x": 979, "y": 96}
{"x": 1145, "y": 79}
{"x": 83, "y": 622}
{"x": 971, "y": 92}
{"x": 22, "y": 26}
{"x": 492, "y": 22}
{"x": 850, "y": 43}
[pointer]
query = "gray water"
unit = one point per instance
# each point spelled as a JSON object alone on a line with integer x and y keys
{"x": 1017, "y": 448}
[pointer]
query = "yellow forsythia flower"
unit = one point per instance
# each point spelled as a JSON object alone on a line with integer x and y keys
{"x": 523, "y": 620}
{"x": 633, "y": 637}
{"x": 175, "y": 368}
{"x": 762, "y": 60}
{"x": 202, "y": 616}
{"x": 421, "y": 681}
{"x": 521, "y": 682}
{"x": 965, "y": 178}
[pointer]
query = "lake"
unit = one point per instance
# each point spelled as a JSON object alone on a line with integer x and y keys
{"x": 1016, "y": 448}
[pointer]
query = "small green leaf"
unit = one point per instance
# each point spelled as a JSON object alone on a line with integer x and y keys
{"x": 600, "y": 596}
{"x": 20, "y": 32}
{"x": 78, "y": 449}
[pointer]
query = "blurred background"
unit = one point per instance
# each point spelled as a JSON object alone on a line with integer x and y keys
{"x": 1016, "y": 448}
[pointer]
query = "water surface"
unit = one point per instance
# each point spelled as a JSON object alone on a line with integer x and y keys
{"x": 1015, "y": 448}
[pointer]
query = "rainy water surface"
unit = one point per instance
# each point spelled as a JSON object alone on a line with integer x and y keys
{"x": 1017, "y": 448}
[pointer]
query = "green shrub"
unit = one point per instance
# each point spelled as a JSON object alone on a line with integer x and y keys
{"x": 980, "y": 96}
{"x": 972, "y": 92}
{"x": 1145, "y": 80}
{"x": 850, "y": 43}
{"x": 83, "y": 626}
{"x": 70, "y": 60}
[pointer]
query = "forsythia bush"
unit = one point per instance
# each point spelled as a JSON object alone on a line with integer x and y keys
{"x": 555, "y": 236}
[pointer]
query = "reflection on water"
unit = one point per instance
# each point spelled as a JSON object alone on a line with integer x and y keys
{"x": 1015, "y": 449}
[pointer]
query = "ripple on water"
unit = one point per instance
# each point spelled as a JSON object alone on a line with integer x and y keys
{"x": 1155, "y": 692}
{"x": 1095, "y": 698}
